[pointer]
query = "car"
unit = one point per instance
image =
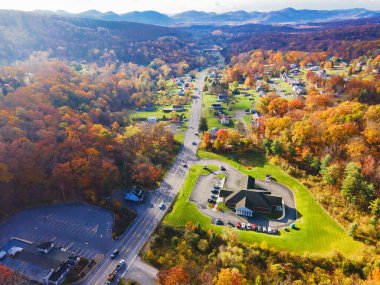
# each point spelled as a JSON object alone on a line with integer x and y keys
{"x": 120, "y": 264}
{"x": 238, "y": 225}
{"x": 230, "y": 224}
{"x": 114, "y": 254}
{"x": 185, "y": 166}
{"x": 108, "y": 282}
{"x": 248, "y": 226}
{"x": 269, "y": 230}
{"x": 219, "y": 222}
{"x": 217, "y": 187}
{"x": 213, "y": 196}
{"x": 259, "y": 229}
{"x": 214, "y": 191}
{"x": 254, "y": 227}
{"x": 205, "y": 166}
{"x": 264, "y": 229}
{"x": 194, "y": 143}
{"x": 222, "y": 168}
{"x": 211, "y": 201}
{"x": 243, "y": 227}
{"x": 275, "y": 231}
{"x": 196, "y": 134}
{"x": 161, "y": 206}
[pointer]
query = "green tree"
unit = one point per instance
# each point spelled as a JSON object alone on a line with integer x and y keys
{"x": 235, "y": 85}
{"x": 203, "y": 126}
{"x": 267, "y": 145}
{"x": 258, "y": 280}
{"x": 352, "y": 229}
{"x": 354, "y": 188}
{"x": 330, "y": 174}
{"x": 276, "y": 147}
{"x": 375, "y": 208}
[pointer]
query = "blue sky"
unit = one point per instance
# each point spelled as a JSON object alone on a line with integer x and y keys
{"x": 176, "y": 6}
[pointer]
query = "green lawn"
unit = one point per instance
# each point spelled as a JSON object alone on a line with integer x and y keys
{"x": 179, "y": 138}
{"x": 318, "y": 232}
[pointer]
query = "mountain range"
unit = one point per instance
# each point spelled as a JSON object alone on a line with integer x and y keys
{"x": 288, "y": 15}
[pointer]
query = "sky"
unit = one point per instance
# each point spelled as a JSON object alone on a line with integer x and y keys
{"x": 176, "y": 6}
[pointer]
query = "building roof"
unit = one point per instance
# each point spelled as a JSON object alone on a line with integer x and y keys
{"x": 255, "y": 200}
{"x": 45, "y": 245}
{"x": 51, "y": 260}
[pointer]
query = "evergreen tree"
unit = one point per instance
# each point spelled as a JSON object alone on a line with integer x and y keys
{"x": 203, "y": 126}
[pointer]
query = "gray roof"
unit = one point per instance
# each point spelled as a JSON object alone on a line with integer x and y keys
{"x": 51, "y": 260}
{"x": 255, "y": 200}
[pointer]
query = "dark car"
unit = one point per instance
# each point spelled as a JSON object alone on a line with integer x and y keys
{"x": 219, "y": 222}
{"x": 259, "y": 229}
{"x": 230, "y": 224}
{"x": 222, "y": 168}
{"x": 214, "y": 191}
{"x": 194, "y": 143}
{"x": 114, "y": 254}
{"x": 275, "y": 231}
{"x": 185, "y": 166}
{"x": 211, "y": 201}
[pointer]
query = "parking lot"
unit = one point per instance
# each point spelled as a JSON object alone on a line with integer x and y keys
{"x": 235, "y": 181}
{"x": 82, "y": 229}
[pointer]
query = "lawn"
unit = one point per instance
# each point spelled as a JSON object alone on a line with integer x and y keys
{"x": 316, "y": 231}
{"x": 179, "y": 138}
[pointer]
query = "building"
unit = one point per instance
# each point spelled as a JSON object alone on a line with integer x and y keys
{"x": 178, "y": 108}
{"x": 134, "y": 195}
{"x": 247, "y": 201}
{"x": 43, "y": 263}
{"x": 224, "y": 120}
{"x": 152, "y": 120}
{"x": 217, "y": 106}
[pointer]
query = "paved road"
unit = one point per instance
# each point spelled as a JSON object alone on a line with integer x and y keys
{"x": 141, "y": 229}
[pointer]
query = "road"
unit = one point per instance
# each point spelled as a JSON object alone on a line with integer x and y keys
{"x": 141, "y": 229}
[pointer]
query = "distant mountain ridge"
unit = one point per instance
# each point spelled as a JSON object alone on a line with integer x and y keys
{"x": 287, "y": 15}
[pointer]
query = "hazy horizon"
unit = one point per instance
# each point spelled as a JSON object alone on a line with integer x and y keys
{"x": 170, "y": 7}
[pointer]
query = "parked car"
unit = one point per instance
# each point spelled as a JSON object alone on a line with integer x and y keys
{"x": 120, "y": 264}
{"x": 185, "y": 166}
{"x": 243, "y": 226}
{"x": 264, "y": 229}
{"x": 222, "y": 168}
{"x": 213, "y": 196}
{"x": 161, "y": 206}
{"x": 114, "y": 254}
{"x": 248, "y": 226}
{"x": 259, "y": 229}
{"x": 275, "y": 231}
{"x": 211, "y": 201}
{"x": 194, "y": 143}
{"x": 196, "y": 134}
{"x": 269, "y": 230}
{"x": 219, "y": 222}
{"x": 238, "y": 225}
{"x": 230, "y": 224}
{"x": 254, "y": 227}
{"x": 214, "y": 191}
{"x": 217, "y": 187}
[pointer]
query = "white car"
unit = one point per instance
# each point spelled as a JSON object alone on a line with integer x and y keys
{"x": 120, "y": 264}
{"x": 161, "y": 206}
{"x": 243, "y": 227}
{"x": 269, "y": 230}
{"x": 249, "y": 226}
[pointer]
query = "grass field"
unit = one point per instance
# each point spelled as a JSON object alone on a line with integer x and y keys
{"x": 179, "y": 138}
{"x": 317, "y": 232}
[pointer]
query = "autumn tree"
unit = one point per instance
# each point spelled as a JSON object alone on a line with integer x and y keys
{"x": 230, "y": 277}
{"x": 176, "y": 275}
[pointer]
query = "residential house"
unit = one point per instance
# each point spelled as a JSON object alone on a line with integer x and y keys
{"x": 224, "y": 120}
{"x": 217, "y": 106}
{"x": 178, "y": 108}
{"x": 213, "y": 132}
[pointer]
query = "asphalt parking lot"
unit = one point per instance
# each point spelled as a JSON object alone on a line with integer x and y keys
{"x": 82, "y": 229}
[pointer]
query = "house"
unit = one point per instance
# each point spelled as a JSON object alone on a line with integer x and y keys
{"x": 217, "y": 106}
{"x": 295, "y": 83}
{"x": 149, "y": 108}
{"x": 224, "y": 120}
{"x": 222, "y": 97}
{"x": 314, "y": 68}
{"x": 250, "y": 200}
{"x": 255, "y": 117}
{"x": 300, "y": 90}
{"x": 296, "y": 71}
{"x": 322, "y": 73}
{"x": 293, "y": 65}
{"x": 261, "y": 94}
{"x": 135, "y": 195}
{"x": 152, "y": 120}
{"x": 178, "y": 108}
{"x": 259, "y": 88}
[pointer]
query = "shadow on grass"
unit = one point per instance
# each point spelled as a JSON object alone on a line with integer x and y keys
{"x": 299, "y": 215}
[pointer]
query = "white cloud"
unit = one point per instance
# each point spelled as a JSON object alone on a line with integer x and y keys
{"x": 175, "y": 6}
